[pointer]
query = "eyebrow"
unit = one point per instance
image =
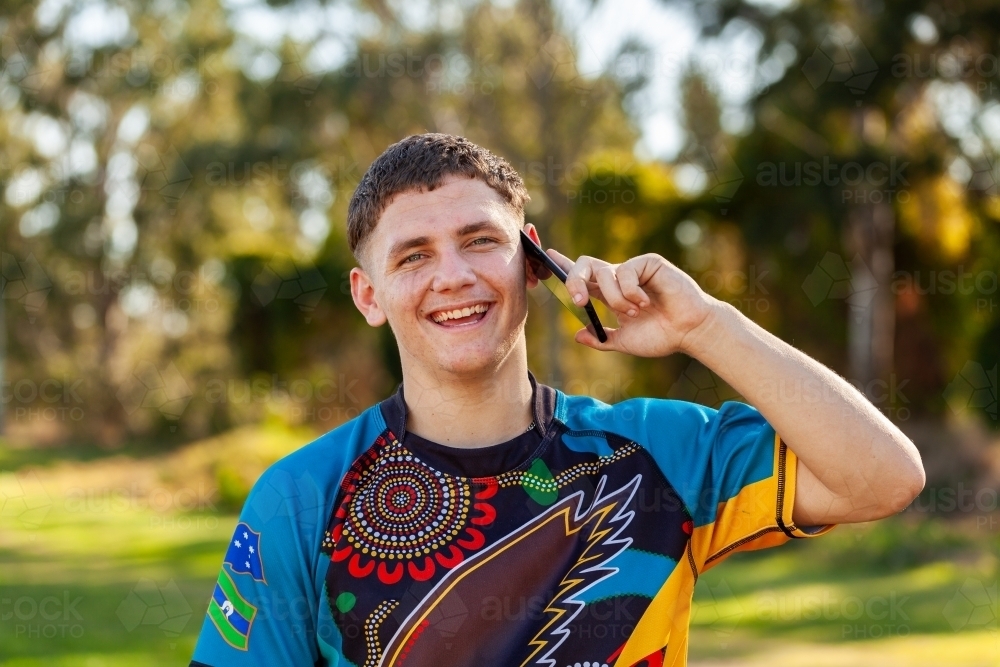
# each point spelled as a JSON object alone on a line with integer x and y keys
{"x": 474, "y": 227}
{"x": 400, "y": 247}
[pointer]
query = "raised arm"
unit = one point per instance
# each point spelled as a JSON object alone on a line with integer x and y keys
{"x": 853, "y": 463}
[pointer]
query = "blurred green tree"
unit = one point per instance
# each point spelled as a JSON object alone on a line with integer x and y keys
{"x": 175, "y": 190}
{"x": 870, "y": 188}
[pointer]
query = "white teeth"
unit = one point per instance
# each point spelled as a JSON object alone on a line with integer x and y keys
{"x": 464, "y": 312}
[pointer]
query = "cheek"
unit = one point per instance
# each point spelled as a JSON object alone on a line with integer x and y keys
{"x": 405, "y": 294}
{"x": 511, "y": 282}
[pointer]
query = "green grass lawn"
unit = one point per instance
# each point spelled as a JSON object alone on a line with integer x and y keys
{"x": 894, "y": 592}
{"x": 67, "y": 587}
{"x": 95, "y": 577}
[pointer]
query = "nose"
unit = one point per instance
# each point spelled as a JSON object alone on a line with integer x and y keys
{"x": 452, "y": 272}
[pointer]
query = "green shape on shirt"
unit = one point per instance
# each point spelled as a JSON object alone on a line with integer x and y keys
{"x": 345, "y": 602}
{"x": 539, "y": 483}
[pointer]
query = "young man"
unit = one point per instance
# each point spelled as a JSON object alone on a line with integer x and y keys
{"x": 484, "y": 518}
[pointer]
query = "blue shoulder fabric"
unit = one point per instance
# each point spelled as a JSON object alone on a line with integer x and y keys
{"x": 707, "y": 455}
{"x": 265, "y": 608}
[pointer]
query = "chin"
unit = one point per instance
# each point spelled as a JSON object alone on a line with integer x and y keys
{"x": 464, "y": 362}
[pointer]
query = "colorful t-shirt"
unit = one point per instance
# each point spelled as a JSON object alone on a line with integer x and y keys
{"x": 577, "y": 542}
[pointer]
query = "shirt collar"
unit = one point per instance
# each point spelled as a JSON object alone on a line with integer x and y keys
{"x": 543, "y": 408}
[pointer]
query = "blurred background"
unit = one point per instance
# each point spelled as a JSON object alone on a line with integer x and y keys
{"x": 176, "y": 315}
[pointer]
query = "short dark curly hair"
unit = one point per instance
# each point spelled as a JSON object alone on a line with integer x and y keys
{"x": 423, "y": 161}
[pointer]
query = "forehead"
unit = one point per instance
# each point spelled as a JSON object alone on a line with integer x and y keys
{"x": 440, "y": 212}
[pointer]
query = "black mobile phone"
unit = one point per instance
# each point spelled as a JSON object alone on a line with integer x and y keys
{"x": 554, "y": 279}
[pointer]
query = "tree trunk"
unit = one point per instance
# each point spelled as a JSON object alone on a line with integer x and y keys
{"x": 3, "y": 354}
{"x": 871, "y": 327}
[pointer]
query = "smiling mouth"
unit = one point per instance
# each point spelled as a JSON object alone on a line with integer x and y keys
{"x": 460, "y": 316}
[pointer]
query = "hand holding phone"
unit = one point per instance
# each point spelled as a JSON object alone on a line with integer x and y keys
{"x": 554, "y": 278}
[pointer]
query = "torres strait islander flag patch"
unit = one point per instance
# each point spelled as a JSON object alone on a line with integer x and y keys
{"x": 230, "y": 612}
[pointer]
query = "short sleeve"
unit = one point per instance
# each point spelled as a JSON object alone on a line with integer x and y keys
{"x": 735, "y": 475}
{"x": 263, "y": 606}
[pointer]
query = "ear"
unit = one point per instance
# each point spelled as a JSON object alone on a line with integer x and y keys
{"x": 363, "y": 293}
{"x": 532, "y": 280}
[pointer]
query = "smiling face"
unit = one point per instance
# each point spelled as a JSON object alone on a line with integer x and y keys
{"x": 446, "y": 270}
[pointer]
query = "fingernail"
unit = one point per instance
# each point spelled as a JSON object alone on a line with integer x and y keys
{"x": 631, "y": 312}
{"x": 578, "y": 299}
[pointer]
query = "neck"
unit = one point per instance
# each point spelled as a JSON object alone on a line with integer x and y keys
{"x": 469, "y": 411}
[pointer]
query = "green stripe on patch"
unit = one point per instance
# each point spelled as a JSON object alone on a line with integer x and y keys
{"x": 228, "y": 632}
{"x": 240, "y": 604}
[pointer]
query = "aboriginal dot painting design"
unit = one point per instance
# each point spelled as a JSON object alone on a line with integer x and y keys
{"x": 403, "y": 519}
{"x": 429, "y": 569}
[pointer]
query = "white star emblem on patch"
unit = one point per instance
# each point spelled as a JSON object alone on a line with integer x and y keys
{"x": 247, "y": 564}
{"x": 245, "y": 536}
{"x": 238, "y": 545}
{"x": 251, "y": 549}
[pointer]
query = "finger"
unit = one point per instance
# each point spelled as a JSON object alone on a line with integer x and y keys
{"x": 628, "y": 281}
{"x": 608, "y": 281}
{"x": 564, "y": 262}
{"x": 593, "y": 290}
{"x": 587, "y": 337}
{"x": 578, "y": 277}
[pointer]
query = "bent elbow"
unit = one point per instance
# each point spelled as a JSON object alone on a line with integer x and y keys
{"x": 907, "y": 487}
{"x": 917, "y": 483}
{"x": 916, "y": 478}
